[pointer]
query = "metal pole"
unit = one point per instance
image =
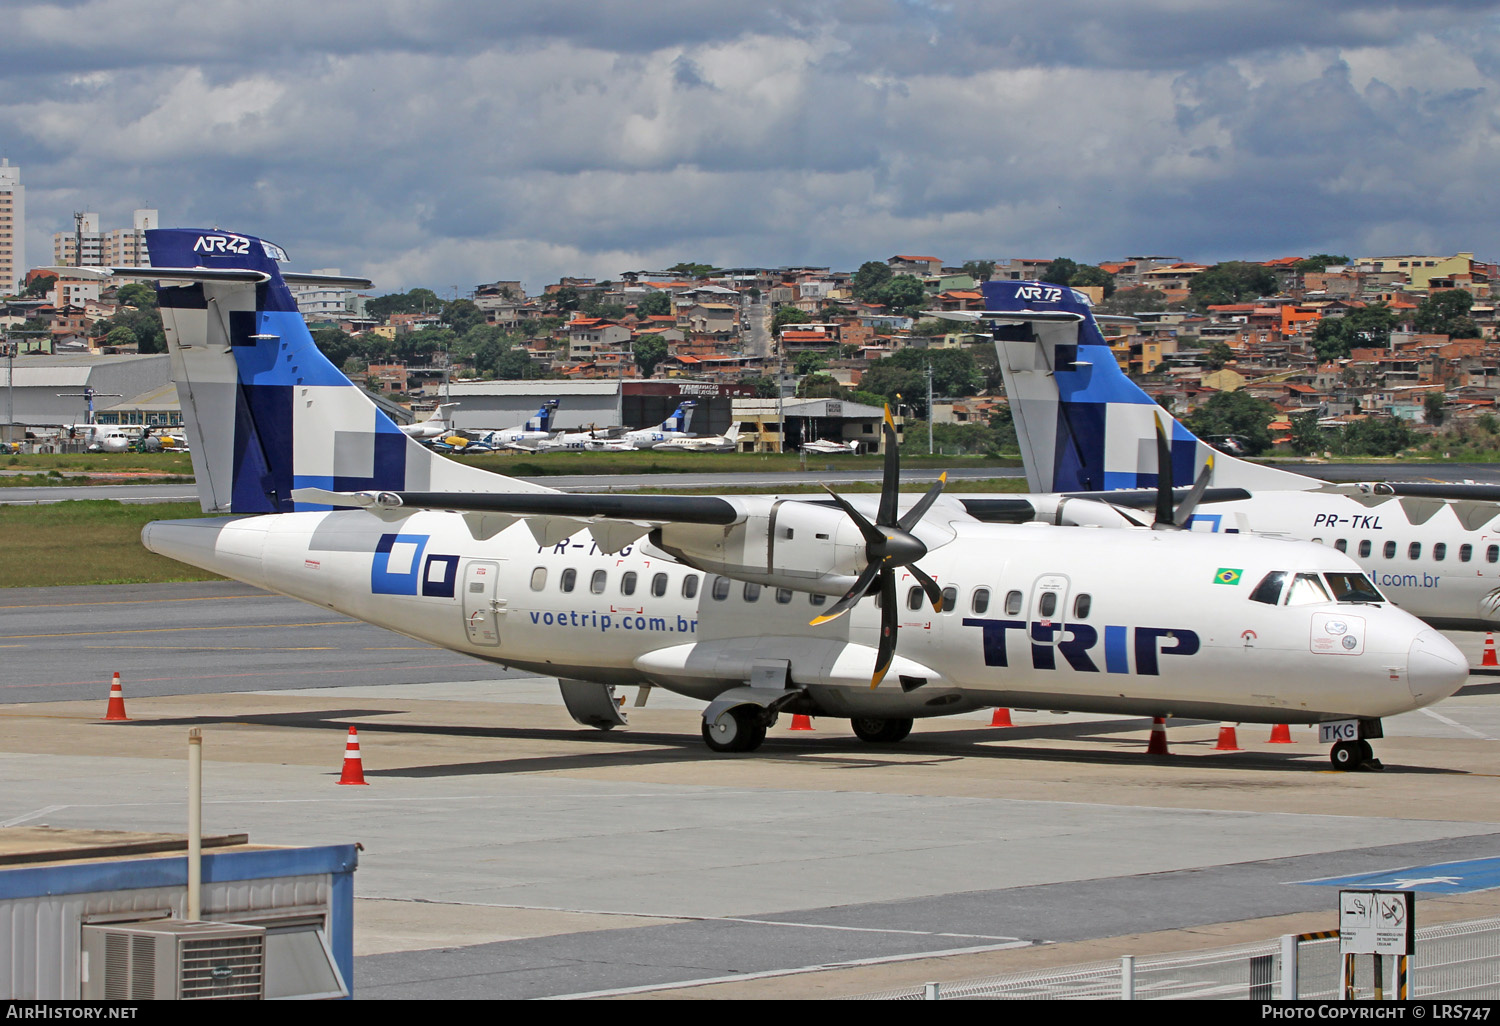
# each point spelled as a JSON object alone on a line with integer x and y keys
{"x": 195, "y": 825}
{"x": 1127, "y": 977}
{"x": 929, "y": 407}
{"x": 1289, "y": 967}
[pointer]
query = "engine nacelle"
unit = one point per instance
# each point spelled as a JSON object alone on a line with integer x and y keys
{"x": 781, "y": 543}
{"x": 1062, "y": 511}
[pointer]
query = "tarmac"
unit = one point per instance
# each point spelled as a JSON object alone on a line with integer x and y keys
{"x": 510, "y": 853}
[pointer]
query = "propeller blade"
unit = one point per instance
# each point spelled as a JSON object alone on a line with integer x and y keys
{"x": 890, "y": 480}
{"x": 909, "y": 520}
{"x": 889, "y": 615}
{"x": 934, "y": 593}
{"x": 1163, "y": 475}
{"x": 873, "y": 535}
{"x": 1186, "y": 507}
{"x": 852, "y": 596}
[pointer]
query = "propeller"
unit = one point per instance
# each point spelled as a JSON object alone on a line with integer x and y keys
{"x": 889, "y": 545}
{"x": 1169, "y": 518}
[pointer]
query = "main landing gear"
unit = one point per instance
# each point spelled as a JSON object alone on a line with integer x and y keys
{"x": 1354, "y": 755}
{"x": 741, "y": 729}
{"x": 880, "y": 732}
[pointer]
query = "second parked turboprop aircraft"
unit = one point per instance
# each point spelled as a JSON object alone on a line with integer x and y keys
{"x": 728, "y": 599}
{"x": 1087, "y": 431}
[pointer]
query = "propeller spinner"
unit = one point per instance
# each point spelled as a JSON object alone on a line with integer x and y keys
{"x": 889, "y": 545}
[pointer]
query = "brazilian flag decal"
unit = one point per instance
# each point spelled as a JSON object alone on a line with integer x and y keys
{"x": 1227, "y": 575}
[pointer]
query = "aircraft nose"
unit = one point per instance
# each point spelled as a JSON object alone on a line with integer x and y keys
{"x": 1435, "y": 667}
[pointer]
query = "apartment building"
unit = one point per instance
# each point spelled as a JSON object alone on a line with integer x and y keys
{"x": 118, "y": 247}
{"x": 12, "y": 228}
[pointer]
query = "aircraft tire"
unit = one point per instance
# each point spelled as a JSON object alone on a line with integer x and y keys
{"x": 1348, "y": 755}
{"x": 741, "y": 731}
{"x": 880, "y": 732}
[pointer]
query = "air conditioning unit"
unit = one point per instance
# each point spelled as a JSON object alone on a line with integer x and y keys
{"x": 173, "y": 959}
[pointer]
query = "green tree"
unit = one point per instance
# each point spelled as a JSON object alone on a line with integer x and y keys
{"x": 1319, "y": 262}
{"x": 337, "y": 345}
{"x": 872, "y": 274}
{"x": 657, "y": 304}
{"x": 1089, "y": 276}
{"x": 821, "y": 386}
{"x": 979, "y": 270}
{"x": 565, "y": 298}
{"x": 137, "y": 294}
{"x": 121, "y": 337}
{"x": 811, "y": 361}
{"x": 1367, "y": 327}
{"x": 788, "y": 315}
{"x": 1138, "y": 299}
{"x": 649, "y": 350}
{"x": 1236, "y": 414}
{"x": 1432, "y": 408}
{"x": 695, "y": 270}
{"x": 461, "y": 315}
{"x": 1446, "y": 313}
{"x": 39, "y": 286}
{"x": 1234, "y": 281}
{"x": 1060, "y": 271}
{"x": 514, "y": 364}
{"x": 902, "y": 292}
{"x": 1218, "y": 355}
{"x": 145, "y": 325}
{"x": 765, "y": 387}
{"x": 888, "y": 379}
{"x": 415, "y": 301}
{"x": 954, "y": 371}
{"x": 1307, "y": 437}
{"x": 1374, "y": 436}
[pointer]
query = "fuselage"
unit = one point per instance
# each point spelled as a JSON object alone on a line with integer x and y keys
{"x": 1035, "y": 616}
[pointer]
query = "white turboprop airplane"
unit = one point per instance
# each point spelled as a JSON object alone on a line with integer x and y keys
{"x": 537, "y": 428}
{"x": 438, "y": 425}
{"x": 712, "y": 596}
{"x": 1086, "y": 430}
{"x": 729, "y": 441}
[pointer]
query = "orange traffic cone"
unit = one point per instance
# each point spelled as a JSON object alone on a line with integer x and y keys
{"x": 801, "y": 722}
{"x": 1001, "y": 718}
{"x": 1489, "y": 651}
{"x": 116, "y": 709}
{"x": 1281, "y": 734}
{"x": 1228, "y": 741}
{"x": 1158, "y": 743}
{"x": 354, "y": 769}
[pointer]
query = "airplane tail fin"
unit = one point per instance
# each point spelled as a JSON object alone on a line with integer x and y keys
{"x": 733, "y": 434}
{"x": 265, "y": 410}
{"x": 543, "y": 419}
{"x": 440, "y": 414}
{"x": 680, "y": 418}
{"x": 1082, "y": 424}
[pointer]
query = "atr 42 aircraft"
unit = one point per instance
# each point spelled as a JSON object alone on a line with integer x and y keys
{"x": 537, "y": 428}
{"x": 438, "y": 425}
{"x": 615, "y": 439}
{"x": 757, "y": 605}
{"x": 1086, "y": 430}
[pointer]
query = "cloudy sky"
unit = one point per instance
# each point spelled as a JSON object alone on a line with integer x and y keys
{"x": 442, "y": 144}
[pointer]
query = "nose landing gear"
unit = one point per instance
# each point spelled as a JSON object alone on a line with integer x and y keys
{"x": 1354, "y": 755}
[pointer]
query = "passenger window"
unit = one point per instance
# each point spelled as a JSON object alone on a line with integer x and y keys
{"x": 1081, "y": 606}
{"x": 627, "y": 583}
{"x": 690, "y": 586}
{"x": 752, "y": 592}
{"x": 783, "y": 595}
{"x": 1390, "y": 550}
{"x": 569, "y": 578}
{"x": 1439, "y": 552}
{"x": 721, "y": 588}
{"x": 1342, "y": 545}
{"x": 1306, "y": 589}
{"x": 1012, "y": 603}
{"x": 950, "y": 599}
{"x": 1364, "y": 547}
{"x": 658, "y": 585}
{"x": 914, "y": 599}
{"x": 539, "y": 578}
{"x": 1414, "y": 550}
{"x": 597, "y": 582}
{"x": 1269, "y": 588}
{"x": 1048, "y": 605}
{"x": 980, "y": 603}
{"x": 1492, "y": 554}
{"x": 1465, "y": 552}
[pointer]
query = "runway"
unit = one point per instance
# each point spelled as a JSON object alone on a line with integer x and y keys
{"x": 509, "y": 852}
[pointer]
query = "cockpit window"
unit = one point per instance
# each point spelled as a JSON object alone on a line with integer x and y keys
{"x": 1306, "y": 589}
{"x": 1269, "y": 588}
{"x": 1352, "y": 588}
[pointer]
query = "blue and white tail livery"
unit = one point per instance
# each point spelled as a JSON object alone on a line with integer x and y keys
{"x": 680, "y": 418}
{"x": 1082, "y": 425}
{"x": 268, "y": 412}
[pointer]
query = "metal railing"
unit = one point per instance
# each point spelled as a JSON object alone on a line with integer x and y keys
{"x": 1452, "y": 960}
